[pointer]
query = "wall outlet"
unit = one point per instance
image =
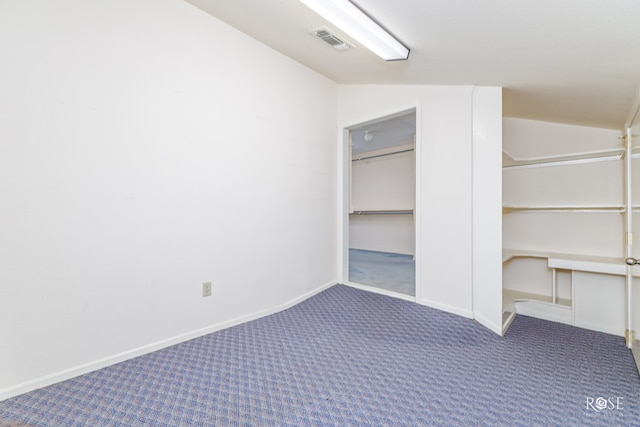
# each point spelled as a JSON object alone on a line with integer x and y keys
{"x": 206, "y": 289}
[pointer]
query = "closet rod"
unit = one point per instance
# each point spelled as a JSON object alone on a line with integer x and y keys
{"x": 382, "y": 155}
{"x": 387, "y": 212}
{"x": 546, "y": 209}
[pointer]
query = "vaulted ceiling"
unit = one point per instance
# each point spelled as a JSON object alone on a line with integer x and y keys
{"x": 568, "y": 61}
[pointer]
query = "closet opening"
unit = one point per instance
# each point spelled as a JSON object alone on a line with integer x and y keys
{"x": 381, "y": 204}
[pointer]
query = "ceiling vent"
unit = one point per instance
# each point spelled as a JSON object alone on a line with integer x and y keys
{"x": 324, "y": 34}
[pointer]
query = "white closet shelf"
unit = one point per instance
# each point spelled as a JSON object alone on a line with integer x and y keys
{"x": 564, "y": 208}
{"x": 563, "y": 159}
{"x": 510, "y": 297}
{"x": 383, "y": 212}
{"x": 401, "y": 149}
{"x": 574, "y": 262}
{"x": 509, "y": 254}
{"x": 540, "y": 306}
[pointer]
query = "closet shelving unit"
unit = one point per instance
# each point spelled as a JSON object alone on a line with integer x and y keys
{"x": 550, "y": 305}
{"x": 381, "y": 216}
{"x": 374, "y": 207}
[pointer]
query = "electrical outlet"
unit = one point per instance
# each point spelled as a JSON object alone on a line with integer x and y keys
{"x": 206, "y": 289}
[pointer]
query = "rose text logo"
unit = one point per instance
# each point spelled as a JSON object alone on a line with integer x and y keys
{"x": 601, "y": 404}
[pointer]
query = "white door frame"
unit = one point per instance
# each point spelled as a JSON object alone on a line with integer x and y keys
{"x": 344, "y": 182}
{"x": 632, "y": 312}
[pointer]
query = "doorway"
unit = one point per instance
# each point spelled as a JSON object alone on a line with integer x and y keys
{"x": 381, "y": 208}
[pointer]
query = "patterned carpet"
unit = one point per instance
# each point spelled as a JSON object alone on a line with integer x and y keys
{"x": 346, "y": 357}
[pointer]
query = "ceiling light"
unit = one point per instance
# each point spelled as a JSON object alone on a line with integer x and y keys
{"x": 356, "y": 23}
{"x": 368, "y": 136}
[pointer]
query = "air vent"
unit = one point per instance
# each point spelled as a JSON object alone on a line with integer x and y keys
{"x": 324, "y": 34}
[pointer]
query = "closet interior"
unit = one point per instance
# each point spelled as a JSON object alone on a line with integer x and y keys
{"x": 567, "y": 204}
{"x": 381, "y": 207}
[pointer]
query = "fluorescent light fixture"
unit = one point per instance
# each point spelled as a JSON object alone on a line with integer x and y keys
{"x": 356, "y": 23}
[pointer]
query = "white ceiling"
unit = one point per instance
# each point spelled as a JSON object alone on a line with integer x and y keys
{"x": 568, "y": 61}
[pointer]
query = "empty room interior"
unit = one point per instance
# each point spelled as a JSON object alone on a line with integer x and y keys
{"x": 246, "y": 213}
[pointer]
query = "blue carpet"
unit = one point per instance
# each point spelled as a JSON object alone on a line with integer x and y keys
{"x": 394, "y": 272}
{"x": 346, "y": 357}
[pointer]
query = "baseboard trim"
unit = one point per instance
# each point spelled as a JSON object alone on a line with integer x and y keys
{"x": 448, "y": 308}
{"x": 67, "y": 374}
{"x": 545, "y": 311}
{"x": 498, "y": 329}
{"x": 509, "y": 320}
{"x": 380, "y": 291}
{"x": 599, "y": 328}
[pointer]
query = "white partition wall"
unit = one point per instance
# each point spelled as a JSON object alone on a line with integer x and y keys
{"x": 487, "y": 207}
{"x": 445, "y": 209}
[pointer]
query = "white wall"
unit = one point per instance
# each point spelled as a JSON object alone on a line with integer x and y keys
{"x": 383, "y": 233}
{"x": 444, "y": 196}
{"x": 445, "y": 207}
{"x": 145, "y": 148}
{"x": 487, "y": 207}
{"x": 383, "y": 183}
{"x": 524, "y": 139}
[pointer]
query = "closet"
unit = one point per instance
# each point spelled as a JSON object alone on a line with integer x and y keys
{"x": 381, "y": 205}
{"x": 565, "y": 209}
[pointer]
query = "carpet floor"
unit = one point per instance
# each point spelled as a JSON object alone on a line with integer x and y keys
{"x": 384, "y": 270}
{"x": 347, "y": 357}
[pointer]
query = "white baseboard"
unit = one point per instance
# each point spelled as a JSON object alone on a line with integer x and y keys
{"x": 380, "y": 291}
{"x": 545, "y": 311}
{"x": 448, "y": 308}
{"x": 560, "y": 314}
{"x": 488, "y": 324}
{"x": 599, "y": 328}
{"x": 85, "y": 368}
{"x": 507, "y": 322}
